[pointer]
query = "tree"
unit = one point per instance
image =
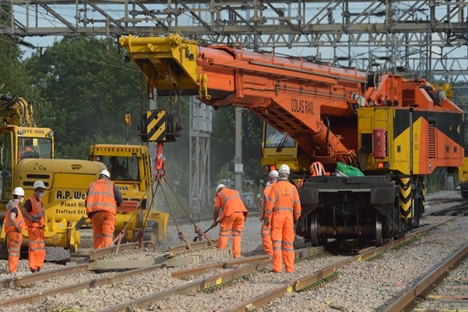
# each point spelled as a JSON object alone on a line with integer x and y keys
{"x": 14, "y": 77}
{"x": 89, "y": 89}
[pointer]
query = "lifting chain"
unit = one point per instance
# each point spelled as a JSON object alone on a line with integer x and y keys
{"x": 181, "y": 236}
{"x": 198, "y": 231}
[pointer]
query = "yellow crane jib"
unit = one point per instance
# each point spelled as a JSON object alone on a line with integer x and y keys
{"x": 151, "y": 56}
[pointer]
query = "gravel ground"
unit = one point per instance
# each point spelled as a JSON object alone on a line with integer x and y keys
{"x": 361, "y": 286}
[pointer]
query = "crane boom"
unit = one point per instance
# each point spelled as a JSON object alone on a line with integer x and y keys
{"x": 291, "y": 95}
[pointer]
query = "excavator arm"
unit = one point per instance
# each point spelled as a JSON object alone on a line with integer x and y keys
{"x": 16, "y": 111}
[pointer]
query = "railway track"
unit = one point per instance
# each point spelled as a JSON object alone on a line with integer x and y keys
{"x": 213, "y": 276}
{"x": 199, "y": 282}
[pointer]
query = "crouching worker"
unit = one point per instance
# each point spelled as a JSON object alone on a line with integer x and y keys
{"x": 232, "y": 218}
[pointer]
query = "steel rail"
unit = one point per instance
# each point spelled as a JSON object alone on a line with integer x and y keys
{"x": 178, "y": 249}
{"x": 428, "y": 282}
{"x": 300, "y": 253}
{"x": 114, "y": 249}
{"x": 32, "y": 278}
{"x": 298, "y": 284}
{"x": 98, "y": 282}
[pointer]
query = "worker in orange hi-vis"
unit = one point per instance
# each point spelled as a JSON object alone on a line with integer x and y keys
{"x": 14, "y": 228}
{"x": 282, "y": 212}
{"x": 265, "y": 231}
{"x": 102, "y": 199}
{"x": 232, "y": 218}
{"x": 33, "y": 212}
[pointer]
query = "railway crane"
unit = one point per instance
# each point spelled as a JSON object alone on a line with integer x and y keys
{"x": 395, "y": 130}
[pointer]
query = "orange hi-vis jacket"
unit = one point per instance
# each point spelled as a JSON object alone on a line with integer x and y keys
{"x": 36, "y": 212}
{"x": 101, "y": 197}
{"x": 230, "y": 201}
{"x": 9, "y": 226}
{"x": 264, "y": 201}
{"x": 24, "y": 150}
{"x": 284, "y": 200}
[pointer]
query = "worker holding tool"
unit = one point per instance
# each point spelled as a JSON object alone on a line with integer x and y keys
{"x": 282, "y": 212}
{"x": 273, "y": 177}
{"x": 102, "y": 199}
{"x": 14, "y": 228}
{"x": 33, "y": 212}
{"x": 232, "y": 218}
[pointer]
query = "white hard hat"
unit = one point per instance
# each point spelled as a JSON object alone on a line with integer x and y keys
{"x": 39, "y": 184}
{"x": 220, "y": 186}
{"x": 18, "y": 191}
{"x": 105, "y": 173}
{"x": 273, "y": 174}
{"x": 284, "y": 169}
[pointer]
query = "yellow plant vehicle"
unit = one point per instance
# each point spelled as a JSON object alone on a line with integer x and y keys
{"x": 129, "y": 166}
{"x": 27, "y": 154}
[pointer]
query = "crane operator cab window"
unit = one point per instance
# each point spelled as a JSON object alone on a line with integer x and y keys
{"x": 122, "y": 168}
{"x": 34, "y": 148}
{"x": 274, "y": 138}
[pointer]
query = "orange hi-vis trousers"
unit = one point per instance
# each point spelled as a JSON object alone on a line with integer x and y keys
{"x": 14, "y": 240}
{"x": 36, "y": 249}
{"x": 235, "y": 224}
{"x": 282, "y": 236}
{"x": 103, "y": 229}
{"x": 265, "y": 232}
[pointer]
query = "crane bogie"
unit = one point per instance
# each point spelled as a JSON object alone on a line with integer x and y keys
{"x": 395, "y": 130}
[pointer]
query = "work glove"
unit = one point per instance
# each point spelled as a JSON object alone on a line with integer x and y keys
{"x": 214, "y": 224}
{"x": 266, "y": 222}
{"x": 295, "y": 222}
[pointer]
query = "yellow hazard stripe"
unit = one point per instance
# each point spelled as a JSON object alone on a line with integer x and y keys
{"x": 156, "y": 125}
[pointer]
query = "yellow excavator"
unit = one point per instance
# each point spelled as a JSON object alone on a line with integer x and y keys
{"x": 27, "y": 155}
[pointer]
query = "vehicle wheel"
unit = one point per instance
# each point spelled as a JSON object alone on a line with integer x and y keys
{"x": 416, "y": 212}
{"x": 151, "y": 232}
{"x": 378, "y": 231}
{"x": 314, "y": 240}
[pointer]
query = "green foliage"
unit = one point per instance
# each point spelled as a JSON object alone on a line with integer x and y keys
{"x": 89, "y": 89}
{"x": 14, "y": 77}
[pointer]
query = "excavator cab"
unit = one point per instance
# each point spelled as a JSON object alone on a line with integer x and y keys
{"x": 16, "y": 144}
